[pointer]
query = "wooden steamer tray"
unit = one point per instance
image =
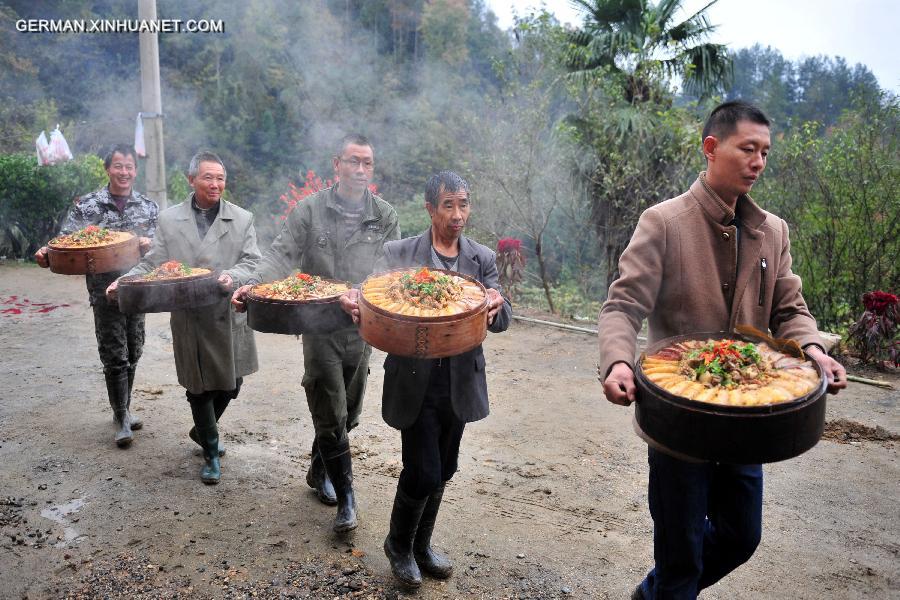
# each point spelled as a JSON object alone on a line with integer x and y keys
{"x": 693, "y": 430}
{"x": 296, "y": 317}
{"x": 138, "y": 295}
{"x": 423, "y": 337}
{"x": 92, "y": 260}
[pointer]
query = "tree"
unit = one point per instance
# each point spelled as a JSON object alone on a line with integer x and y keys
{"x": 640, "y": 44}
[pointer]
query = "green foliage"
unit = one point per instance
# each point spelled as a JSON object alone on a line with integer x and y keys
{"x": 33, "y": 199}
{"x": 414, "y": 218}
{"x": 838, "y": 192}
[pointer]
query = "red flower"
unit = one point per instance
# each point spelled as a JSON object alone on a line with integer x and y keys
{"x": 879, "y": 302}
{"x": 509, "y": 245}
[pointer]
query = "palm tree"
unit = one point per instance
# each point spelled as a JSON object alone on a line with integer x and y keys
{"x": 638, "y": 41}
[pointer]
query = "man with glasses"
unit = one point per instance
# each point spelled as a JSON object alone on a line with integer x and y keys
{"x": 337, "y": 233}
{"x": 120, "y": 337}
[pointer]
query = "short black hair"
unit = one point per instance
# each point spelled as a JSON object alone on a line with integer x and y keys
{"x": 353, "y": 138}
{"x": 723, "y": 120}
{"x": 123, "y": 149}
{"x": 444, "y": 181}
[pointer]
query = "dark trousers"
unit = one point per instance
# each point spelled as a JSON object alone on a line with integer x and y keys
{"x": 431, "y": 444}
{"x": 120, "y": 338}
{"x": 213, "y": 395}
{"x": 707, "y": 520}
{"x": 335, "y": 368}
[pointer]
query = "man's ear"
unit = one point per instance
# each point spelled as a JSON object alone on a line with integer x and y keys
{"x": 710, "y": 145}
{"x": 191, "y": 180}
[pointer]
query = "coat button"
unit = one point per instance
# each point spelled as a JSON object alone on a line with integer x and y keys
{"x": 725, "y": 287}
{"x": 725, "y": 236}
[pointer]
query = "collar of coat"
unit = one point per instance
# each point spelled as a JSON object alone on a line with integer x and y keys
{"x": 372, "y": 212}
{"x": 749, "y": 213}
{"x": 105, "y": 197}
{"x": 226, "y": 209}
{"x": 469, "y": 263}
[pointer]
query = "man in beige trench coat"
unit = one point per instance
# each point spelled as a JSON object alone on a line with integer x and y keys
{"x": 214, "y": 347}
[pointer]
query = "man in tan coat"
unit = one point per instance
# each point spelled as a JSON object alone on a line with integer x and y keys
{"x": 707, "y": 260}
{"x": 214, "y": 347}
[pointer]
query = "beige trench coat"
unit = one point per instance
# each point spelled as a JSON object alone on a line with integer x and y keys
{"x": 213, "y": 344}
{"x": 682, "y": 271}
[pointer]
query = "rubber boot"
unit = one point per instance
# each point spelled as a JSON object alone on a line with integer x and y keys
{"x": 429, "y": 560}
{"x": 398, "y": 545}
{"x": 117, "y": 388}
{"x": 317, "y": 477}
{"x": 219, "y": 405}
{"x": 133, "y": 419}
{"x": 340, "y": 470}
{"x": 204, "y": 415}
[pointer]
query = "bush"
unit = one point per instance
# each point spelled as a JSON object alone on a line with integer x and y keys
{"x": 34, "y": 199}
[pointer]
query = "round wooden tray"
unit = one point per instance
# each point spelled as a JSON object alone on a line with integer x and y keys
{"x": 729, "y": 434}
{"x": 296, "y": 317}
{"x": 119, "y": 256}
{"x": 138, "y": 295}
{"x": 423, "y": 337}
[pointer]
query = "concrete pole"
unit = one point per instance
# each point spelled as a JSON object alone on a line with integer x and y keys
{"x": 151, "y": 106}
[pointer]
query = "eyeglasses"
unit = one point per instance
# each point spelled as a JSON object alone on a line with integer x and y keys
{"x": 368, "y": 165}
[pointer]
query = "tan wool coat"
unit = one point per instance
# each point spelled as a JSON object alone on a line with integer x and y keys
{"x": 213, "y": 344}
{"x": 682, "y": 271}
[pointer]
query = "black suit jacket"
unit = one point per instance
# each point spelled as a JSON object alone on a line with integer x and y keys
{"x": 406, "y": 379}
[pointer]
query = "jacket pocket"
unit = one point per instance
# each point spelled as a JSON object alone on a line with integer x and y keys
{"x": 763, "y": 266}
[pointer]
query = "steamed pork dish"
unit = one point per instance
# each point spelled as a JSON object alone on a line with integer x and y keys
{"x": 730, "y": 372}
{"x": 174, "y": 269}
{"x": 89, "y": 237}
{"x": 299, "y": 287}
{"x": 423, "y": 293}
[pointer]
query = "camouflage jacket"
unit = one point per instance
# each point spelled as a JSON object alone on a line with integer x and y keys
{"x": 98, "y": 208}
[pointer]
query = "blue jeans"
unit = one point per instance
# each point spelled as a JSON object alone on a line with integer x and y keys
{"x": 707, "y": 520}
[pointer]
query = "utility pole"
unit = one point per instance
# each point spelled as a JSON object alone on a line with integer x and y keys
{"x": 151, "y": 107}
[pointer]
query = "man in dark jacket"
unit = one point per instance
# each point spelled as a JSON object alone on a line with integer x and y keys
{"x": 431, "y": 400}
{"x": 120, "y": 337}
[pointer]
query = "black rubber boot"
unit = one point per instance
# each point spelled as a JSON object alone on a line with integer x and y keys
{"x": 317, "y": 477}
{"x": 117, "y": 388}
{"x": 340, "y": 470}
{"x": 204, "y": 415}
{"x": 219, "y": 405}
{"x": 398, "y": 545}
{"x": 134, "y": 420}
{"x": 429, "y": 560}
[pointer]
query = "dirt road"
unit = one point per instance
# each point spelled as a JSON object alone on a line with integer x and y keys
{"x": 549, "y": 502}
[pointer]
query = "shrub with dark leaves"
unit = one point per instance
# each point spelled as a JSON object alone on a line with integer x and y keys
{"x": 510, "y": 264}
{"x": 875, "y": 337}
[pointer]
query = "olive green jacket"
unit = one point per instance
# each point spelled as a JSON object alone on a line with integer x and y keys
{"x": 309, "y": 240}
{"x": 213, "y": 344}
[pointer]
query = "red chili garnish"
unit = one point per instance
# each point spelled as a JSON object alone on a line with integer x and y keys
{"x": 424, "y": 276}
{"x": 172, "y": 265}
{"x": 91, "y": 229}
{"x": 304, "y": 277}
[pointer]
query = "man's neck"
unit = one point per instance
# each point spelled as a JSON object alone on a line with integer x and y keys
{"x": 203, "y": 205}
{"x": 118, "y": 191}
{"x": 348, "y": 197}
{"x": 729, "y": 199}
{"x": 447, "y": 247}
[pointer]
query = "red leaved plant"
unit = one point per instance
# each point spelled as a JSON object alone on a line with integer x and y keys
{"x": 875, "y": 337}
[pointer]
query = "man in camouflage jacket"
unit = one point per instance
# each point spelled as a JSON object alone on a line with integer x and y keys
{"x": 120, "y": 337}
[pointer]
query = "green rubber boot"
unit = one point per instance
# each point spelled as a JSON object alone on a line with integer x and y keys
{"x": 117, "y": 388}
{"x": 204, "y": 415}
{"x": 133, "y": 420}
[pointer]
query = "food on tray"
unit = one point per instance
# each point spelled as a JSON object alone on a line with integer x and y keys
{"x": 730, "y": 372}
{"x": 299, "y": 287}
{"x": 89, "y": 237}
{"x": 174, "y": 269}
{"x": 422, "y": 293}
